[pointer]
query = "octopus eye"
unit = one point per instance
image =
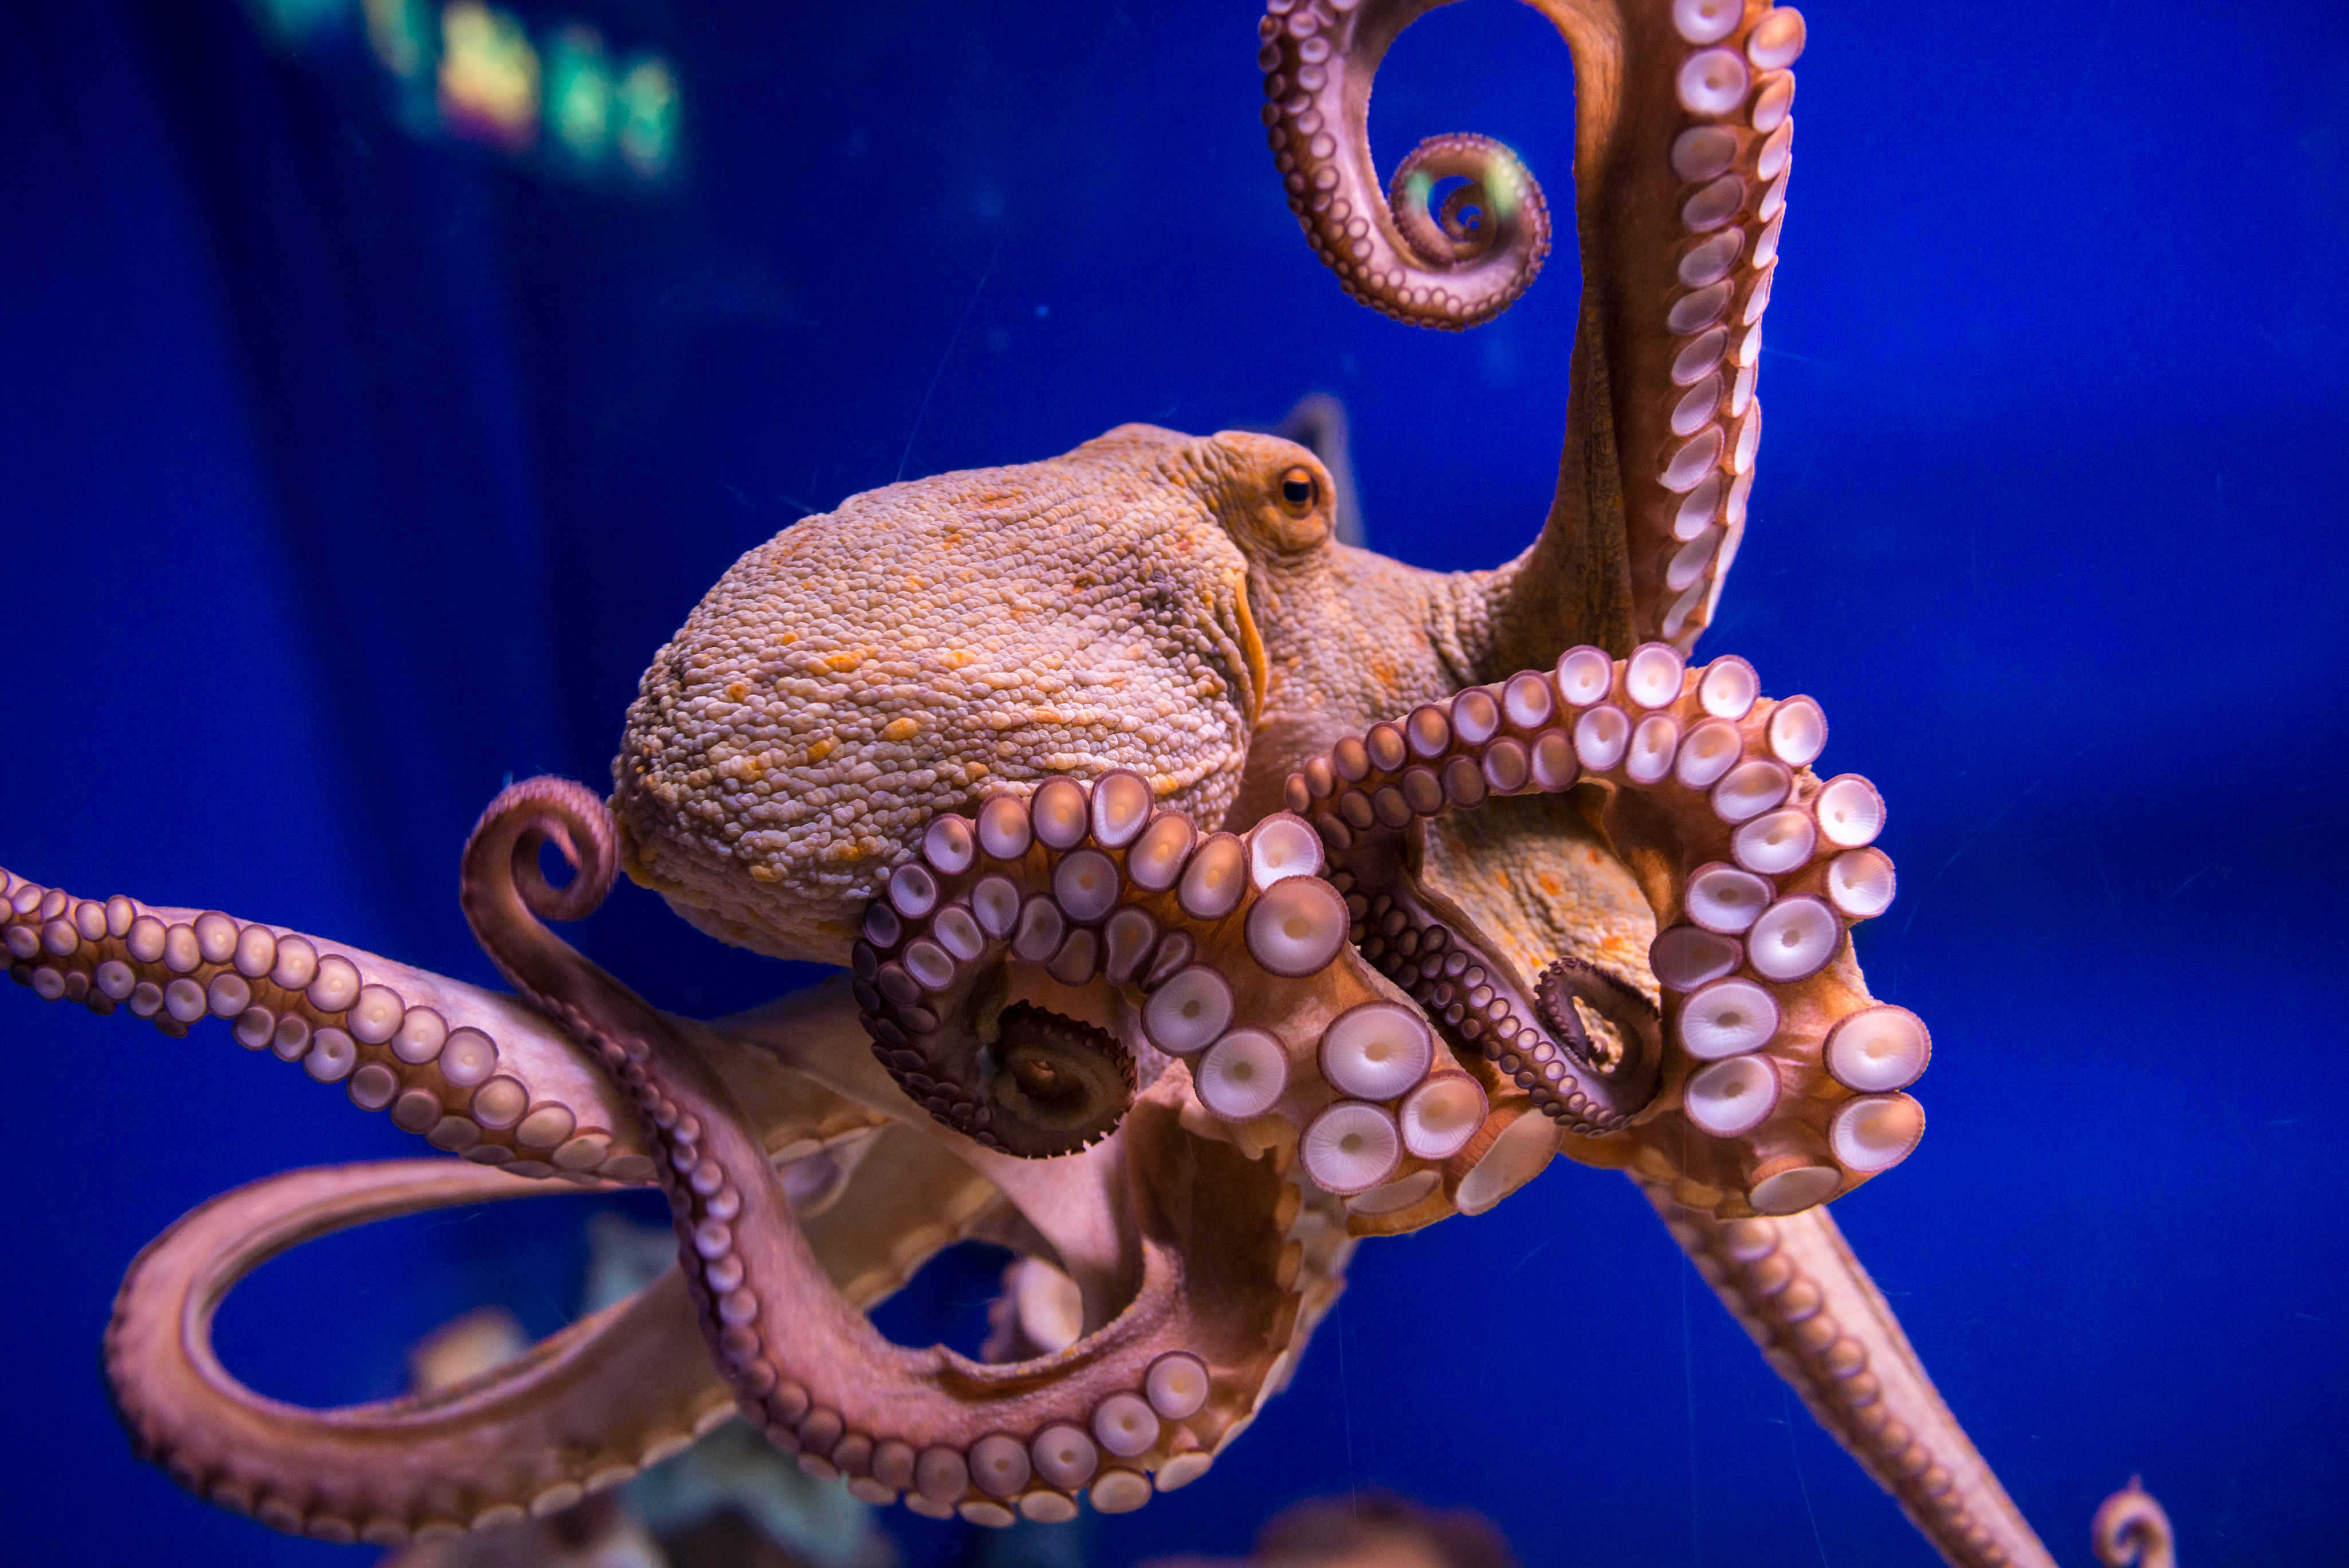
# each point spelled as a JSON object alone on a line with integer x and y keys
{"x": 1056, "y": 1084}
{"x": 1300, "y": 492}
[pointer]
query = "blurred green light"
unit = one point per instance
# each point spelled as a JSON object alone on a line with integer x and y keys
{"x": 580, "y": 95}
{"x": 297, "y": 22}
{"x": 648, "y": 113}
{"x": 472, "y": 69}
{"x": 400, "y": 32}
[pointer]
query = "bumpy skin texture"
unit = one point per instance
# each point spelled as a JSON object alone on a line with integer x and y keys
{"x": 992, "y": 740}
{"x": 1141, "y": 602}
{"x": 929, "y": 644}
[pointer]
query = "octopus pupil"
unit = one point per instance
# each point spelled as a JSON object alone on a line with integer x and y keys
{"x": 1297, "y": 492}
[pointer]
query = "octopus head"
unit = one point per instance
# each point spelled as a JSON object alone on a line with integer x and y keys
{"x": 932, "y": 644}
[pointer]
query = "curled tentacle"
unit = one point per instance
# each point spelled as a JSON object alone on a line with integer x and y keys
{"x": 581, "y": 1411}
{"x": 1795, "y": 1286}
{"x": 1588, "y": 1071}
{"x": 1147, "y": 1398}
{"x": 2131, "y": 1528}
{"x": 1683, "y": 150}
{"x": 1771, "y": 1081}
{"x": 1601, "y": 1020}
{"x": 1454, "y": 261}
{"x": 505, "y": 896}
{"x": 476, "y": 1073}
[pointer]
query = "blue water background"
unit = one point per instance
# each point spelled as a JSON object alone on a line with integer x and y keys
{"x": 344, "y": 474}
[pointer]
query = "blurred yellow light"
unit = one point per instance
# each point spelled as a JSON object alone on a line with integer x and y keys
{"x": 489, "y": 76}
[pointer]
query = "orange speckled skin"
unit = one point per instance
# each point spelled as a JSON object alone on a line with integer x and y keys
{"x": 1139, "y": 602}
{"x": 923, "y": 646}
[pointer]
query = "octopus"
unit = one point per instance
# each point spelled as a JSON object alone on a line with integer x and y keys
{"x": 1207, "y": 894}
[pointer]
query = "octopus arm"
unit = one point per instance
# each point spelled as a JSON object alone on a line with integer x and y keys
{"x": 474, "y": 1072}
{"x": 1794, "y": 1285}
{"x": 1742, "y": 1071}
{"x": 1683, "y": 151}
{"x": 1159, "y": 1388}
{"x": 1769, "y": 1079}
{"x": 580, "y": 1411}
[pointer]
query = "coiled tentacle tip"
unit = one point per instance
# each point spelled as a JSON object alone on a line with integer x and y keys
{"x": 548, "y": 810}
{"x": 2130, "y": 1528}
{"x": 1462, "y": 228}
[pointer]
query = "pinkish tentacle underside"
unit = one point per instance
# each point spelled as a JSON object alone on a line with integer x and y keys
{"x": 1683, "y": 151}
{"x": 958, "y": 1434}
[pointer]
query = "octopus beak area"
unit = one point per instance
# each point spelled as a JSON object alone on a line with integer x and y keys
{"x": 1002, "y": 992}
{"x": 1037, "y": 972}
{"x": 1054, "y": 1084}
{"x": 1037, "y": 968}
